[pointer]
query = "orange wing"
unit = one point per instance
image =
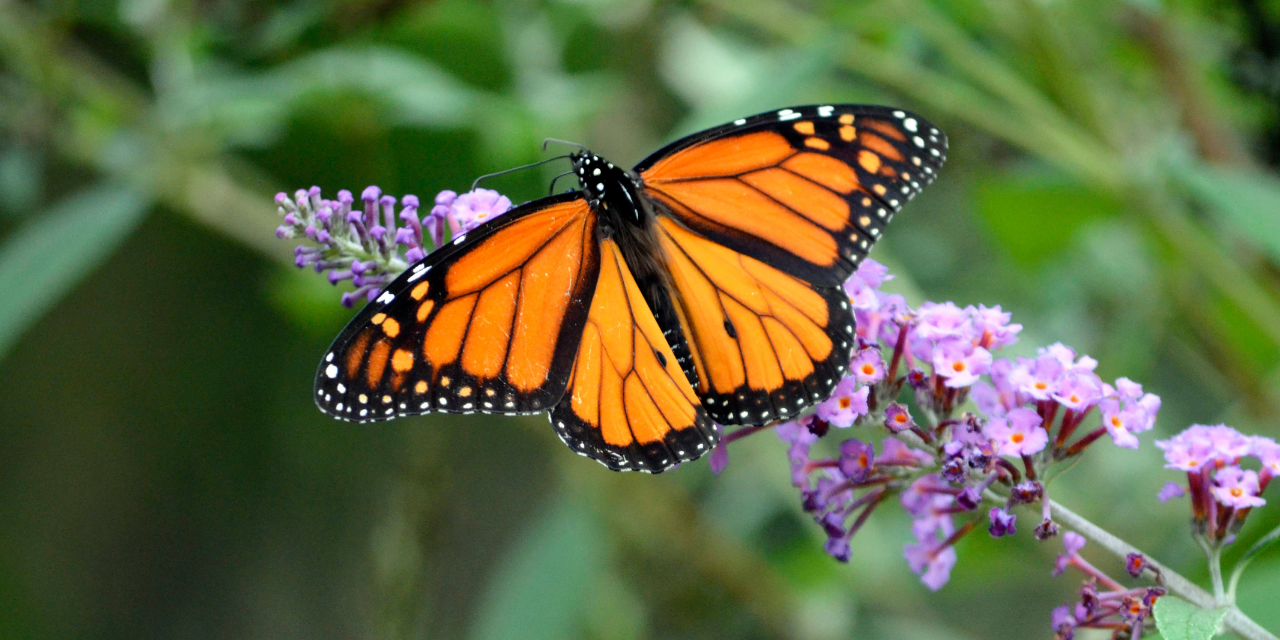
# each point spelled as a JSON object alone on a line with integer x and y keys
{"x": 488, "y": 323}
{"x": 764, "y": 343}
{"x": 807, "y": 190}
{"x": 627, "y": 404}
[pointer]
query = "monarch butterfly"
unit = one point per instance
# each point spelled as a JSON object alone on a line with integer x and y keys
{"x": 645, "y": 307}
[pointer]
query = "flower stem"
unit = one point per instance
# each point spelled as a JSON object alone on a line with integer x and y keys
{"x": 1239, "y": 623}
{"x": 1215, "y": 572}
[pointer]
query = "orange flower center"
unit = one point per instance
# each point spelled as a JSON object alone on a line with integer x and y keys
{"x": 1236, "y": 492}
{"x": 1017, "y": 438}
{"x": 1075, "y": 398}
{"x": 957, "y": 366}
{"x": 845, "y": 402}
{"x": 868, "y": 369}
{"x": 1116, "y": 422}
{"x": 900, "y": 418}
{"x": 1041, "y": 386}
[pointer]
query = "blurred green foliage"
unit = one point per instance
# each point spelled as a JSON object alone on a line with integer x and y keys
{"x": 1112, "y": 181}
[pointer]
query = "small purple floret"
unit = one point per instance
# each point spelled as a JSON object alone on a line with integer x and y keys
{"x": 1002, "y": 522}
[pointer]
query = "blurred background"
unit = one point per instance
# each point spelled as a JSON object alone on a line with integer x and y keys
{"x": 164, "y": 474}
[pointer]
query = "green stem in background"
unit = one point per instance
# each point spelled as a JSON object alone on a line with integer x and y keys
{"x": 1265, "y": 541}
{"x": 1236, "y": 621}
{"x": 1215, "y": 572}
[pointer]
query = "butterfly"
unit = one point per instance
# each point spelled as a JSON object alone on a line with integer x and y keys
{"x": 647, "y": 307}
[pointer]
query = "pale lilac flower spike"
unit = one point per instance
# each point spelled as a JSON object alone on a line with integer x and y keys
{"x": 364, "y": 245}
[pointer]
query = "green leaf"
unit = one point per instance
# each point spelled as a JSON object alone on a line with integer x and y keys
{"x": 1247, "y": 201}
{"x": 44, "y": 259}
{"x": 540, "y": 592}
{"x": 254, "y": 110}
{"x": 1178, "y": 619}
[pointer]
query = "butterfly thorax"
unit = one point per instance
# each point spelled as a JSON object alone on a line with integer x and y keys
{"x": 626, "y": 216}
{"x": 611, "y": 191}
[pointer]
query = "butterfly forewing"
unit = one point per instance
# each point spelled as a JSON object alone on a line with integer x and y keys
{"x": 489, "y": 323}
{"x": 807, "y": 189}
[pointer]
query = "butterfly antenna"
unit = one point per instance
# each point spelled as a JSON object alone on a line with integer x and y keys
{"x": 552, "y": 191}
{"x": 547, "y": 141}
{"x": 514, "y": 169}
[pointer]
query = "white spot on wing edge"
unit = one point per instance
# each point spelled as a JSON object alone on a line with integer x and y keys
{"x": 910, "y": 124}
{"x": 740, "y": 121}
{"x": 826, "y": 110}
{"x": 331, "y": 371}
{"x": 386, "y": 297}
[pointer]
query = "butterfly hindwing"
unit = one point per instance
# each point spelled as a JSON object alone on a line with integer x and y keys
{"x": 490, "y": 322}
{"x": 628, "y": 404}
{"x": 807, "y": 189}
{"x": 765, "y": 344}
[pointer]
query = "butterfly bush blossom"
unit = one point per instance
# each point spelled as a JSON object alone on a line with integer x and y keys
{"x": 952, "y": 471}
{"x": 955, "y": 471}
{"x": 372, "y": 244}
{"x": 1222, "y": 492}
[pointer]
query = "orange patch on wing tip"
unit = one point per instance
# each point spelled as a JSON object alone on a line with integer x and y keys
{"x": 848, "y": 133}
{"x": 391, "y": 327}
{"x": 879, "y": 189}
{"x": 402, "y": 360}
{"x": 378, "y": 362}
{"x": 419, "y": 292}
{"x": 817, "y": 143}
{"x": 425, "y": 309}
{"x": 886, "y": 129}
{"x": 869, "y": 161}
{"x": 378, "y": 318}
{"x": 355, "y": 356}
{"x": 846, "y": 119}
{"x": 804, "y": 127}
{"x": 880, "y": 146}
{"x": 421, "y": 387}
{"x": 824, "y": 170}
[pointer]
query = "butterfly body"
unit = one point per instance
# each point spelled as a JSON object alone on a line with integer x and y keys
{"x": 702, "y": 287}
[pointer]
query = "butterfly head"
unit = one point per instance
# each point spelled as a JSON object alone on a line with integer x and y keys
{"x": 607, "y": 186}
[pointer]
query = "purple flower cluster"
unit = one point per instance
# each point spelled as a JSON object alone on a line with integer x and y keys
{"x": 946, "y": 467}
{"x": 1116, "y": 608}
{"x": 1222, "y": 492}
{"x": 364, "y": 245}
{"x": 1059, "y": 386}
{"x": 841, "y": 491}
